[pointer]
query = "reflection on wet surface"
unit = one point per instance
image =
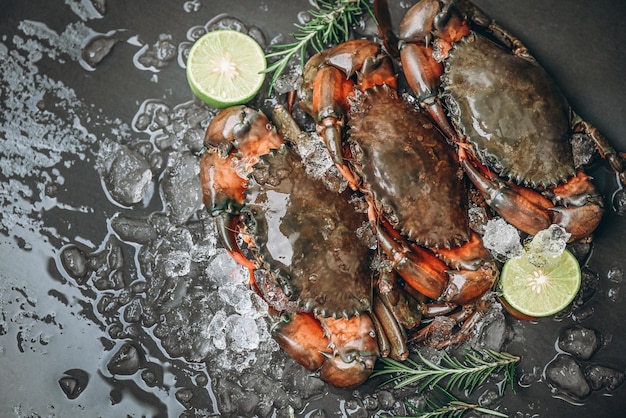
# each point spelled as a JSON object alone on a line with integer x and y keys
{"x": 115, "y": 297}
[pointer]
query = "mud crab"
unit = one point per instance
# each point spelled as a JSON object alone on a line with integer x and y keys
{"x": 511, "y": 125}
{"x": 410, "y": 177}
{"x": 273, "y": 218}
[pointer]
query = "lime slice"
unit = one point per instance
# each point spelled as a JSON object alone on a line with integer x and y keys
{"x": 225, "y": 68}
{"x": 541, "y": 291}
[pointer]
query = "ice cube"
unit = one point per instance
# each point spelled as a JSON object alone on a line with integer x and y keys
{"x": 567, "y": 377}
{"x": 177, "y": 264}
{"x": 126, "y": 173}
{"x": 216, "y": 330}
{"x": 242, "y": 334}
{"x": 289, "y": 79}
{"x": 547, "y": 245}
{"x": 502, "y": 239}
{"x": 181, "y": 188}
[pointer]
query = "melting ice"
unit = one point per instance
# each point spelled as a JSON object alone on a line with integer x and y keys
{"x": 547, "y": 245}
{"x": 502, "y": 239}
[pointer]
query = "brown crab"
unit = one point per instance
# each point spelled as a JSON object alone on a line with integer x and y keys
{"x": 511, "y": 124}
{"x": 410, "y": 177}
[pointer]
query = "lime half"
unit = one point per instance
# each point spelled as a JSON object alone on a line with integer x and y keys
{"x": 224, "y": 68}
{"x": 540, "y": 291}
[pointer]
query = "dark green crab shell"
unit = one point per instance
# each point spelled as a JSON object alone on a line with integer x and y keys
{"x": 510, "y": 111}
{"x": 306, "y": 236}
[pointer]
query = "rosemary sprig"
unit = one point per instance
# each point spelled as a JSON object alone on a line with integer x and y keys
{"x": 443, "y": 404}
{"x": 331, "y": 22}
{"x": 461, "y": 375}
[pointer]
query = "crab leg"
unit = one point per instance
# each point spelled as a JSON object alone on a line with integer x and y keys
{"x": 328, "y": 76}
{"x": 330, "y": 106}
{"x": 616, "y": 160}
{"x": 342, "y": 350}
{"x": 222, "y": 194}
{"x": 384, "y": 345}
{"x": 471, "y": 317}
{"x": 405, "y": 308}
{"x": 431, "y": 310}
{"x": 222, "y": 184}
{"x": 432, "y": 277}
{"x": 421, "y": 69}
{"x": 396, "y": 335}
{"x": 438, "y": 333}
{"x": 523, "y": 208}
{"x": 580, "y": 206}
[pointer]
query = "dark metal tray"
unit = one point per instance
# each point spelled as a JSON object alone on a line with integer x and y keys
{"x": 57, "y": 111}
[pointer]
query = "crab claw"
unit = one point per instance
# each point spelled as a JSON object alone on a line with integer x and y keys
{"x": 355, "y": 350}
{"x": 243, "y": 128}
{"x": 347, "y": 374}
{"x": 581, "y": 206}
{"x": 343, "y": 351}
{"x": 301, "y": 336}
{"x": 578, "y": 208}
{"x": 523, "y": 208}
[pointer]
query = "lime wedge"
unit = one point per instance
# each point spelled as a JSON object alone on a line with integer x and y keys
{"x": 540, "y": 291}
{"x": 224, "y": 68}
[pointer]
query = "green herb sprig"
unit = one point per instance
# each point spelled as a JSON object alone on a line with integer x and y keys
{"x": 453, "y": 374}
{"x": 442, "y": 404}
{"x": 331, "y": 22}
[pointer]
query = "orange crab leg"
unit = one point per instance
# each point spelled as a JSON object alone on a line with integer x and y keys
{"x": 222, "y": 193}
{"x": 421, "y": 69}
{"x": 530, "y": 211}
{"x": 329, "y": 106}
{"x": 329, "y": 75}
{"x": 222, "y": 186}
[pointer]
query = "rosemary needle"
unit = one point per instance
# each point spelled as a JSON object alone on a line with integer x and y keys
{"x": 331, "y": 23}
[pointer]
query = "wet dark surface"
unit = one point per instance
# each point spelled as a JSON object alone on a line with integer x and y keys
{"x": 95, "y": 317}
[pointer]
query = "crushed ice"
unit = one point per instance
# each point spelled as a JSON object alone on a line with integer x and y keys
{"x": 502, "y": 239}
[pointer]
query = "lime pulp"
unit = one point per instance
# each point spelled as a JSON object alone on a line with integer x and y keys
{"x": 225, "y": 68}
